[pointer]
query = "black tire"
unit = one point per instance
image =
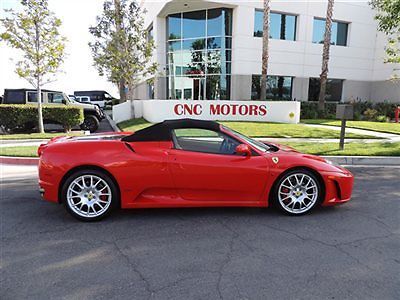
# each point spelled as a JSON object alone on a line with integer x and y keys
{"x": 90, "y": 123}
{"x": 283, "y": 198}
{"x": 79, "y": 213}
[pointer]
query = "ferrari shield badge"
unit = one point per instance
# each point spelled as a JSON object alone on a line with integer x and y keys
{"x": 275, "y": 159}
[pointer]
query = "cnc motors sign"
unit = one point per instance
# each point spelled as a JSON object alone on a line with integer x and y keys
{"x": 262, "y": 111}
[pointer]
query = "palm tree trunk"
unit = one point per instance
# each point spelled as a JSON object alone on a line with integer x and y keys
{"x": 325, "y": 56}
{"x": 265, "y": 53}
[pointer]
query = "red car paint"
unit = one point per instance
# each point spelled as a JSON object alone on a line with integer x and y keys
{"x": 157, "y": 175}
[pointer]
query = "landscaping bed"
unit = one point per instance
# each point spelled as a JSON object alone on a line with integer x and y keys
{"x": 22, "y": 151}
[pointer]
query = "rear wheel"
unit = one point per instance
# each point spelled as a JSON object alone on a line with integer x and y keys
{"x": 298, "y": 192}
{"x": 90, "y": 123}
{"x": 89, "y": 195}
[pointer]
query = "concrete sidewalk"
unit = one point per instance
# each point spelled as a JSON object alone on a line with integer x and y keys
{"x": 381, "y": 135}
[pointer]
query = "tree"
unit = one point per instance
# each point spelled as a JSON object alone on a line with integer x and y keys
{"x": 388, "y": 17}
{"x": 265, "y": 50}
{"x": 325, "y": 56}
{"x": 121, "y": 49}
{"x": 35, "y": 31}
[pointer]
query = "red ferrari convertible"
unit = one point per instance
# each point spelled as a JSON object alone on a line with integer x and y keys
{"x": 184, "y": 163}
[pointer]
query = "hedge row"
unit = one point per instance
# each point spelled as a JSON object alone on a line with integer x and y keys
{"x": 14, "y": 117}
{"x": 362, "y": 110}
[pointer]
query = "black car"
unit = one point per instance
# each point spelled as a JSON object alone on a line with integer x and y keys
{"x": 93, "y": 115}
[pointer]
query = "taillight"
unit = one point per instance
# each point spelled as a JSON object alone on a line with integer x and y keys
{"x": 41, "y": 149}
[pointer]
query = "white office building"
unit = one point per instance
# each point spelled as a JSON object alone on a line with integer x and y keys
{"x": 211, "y": 50}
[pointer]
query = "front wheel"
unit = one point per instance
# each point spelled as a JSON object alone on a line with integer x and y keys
{"x": 89, "y": 195}
{"x": 90, "y": 123}
{"x": 297, "y": 192}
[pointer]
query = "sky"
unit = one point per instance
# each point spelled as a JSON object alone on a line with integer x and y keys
{"x": 78, "y": 71}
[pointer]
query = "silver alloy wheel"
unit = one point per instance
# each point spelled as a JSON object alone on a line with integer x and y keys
{"x": 298, "y": 193}
{"x": 89, "y": 196}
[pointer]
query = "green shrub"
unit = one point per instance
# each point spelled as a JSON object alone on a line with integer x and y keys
{"x": 370, "y": 114}
{"x": 16, "y": 117}
{"x": 382, "y": 118}
{"x": 309, "y": 110}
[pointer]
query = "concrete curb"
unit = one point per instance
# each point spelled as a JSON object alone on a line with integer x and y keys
{"x": 112, "y": 124}
{"x": 365, "y": 160}
{"x": 341, "y": 160}
{"x": 27, "y": 161}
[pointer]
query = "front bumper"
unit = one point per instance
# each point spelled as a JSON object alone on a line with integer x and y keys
{"x": 338, "y": 187}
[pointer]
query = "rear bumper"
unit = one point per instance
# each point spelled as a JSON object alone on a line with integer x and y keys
{"x": 48, "y": 191}
{"x": 48, "y": 182}
{"x": 338, "y": 187}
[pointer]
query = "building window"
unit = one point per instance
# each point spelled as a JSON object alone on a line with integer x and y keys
{"x": 282, "y": 26}
{"x": 278, "y": 87}
{"x": 150, "y": 33}
{"x": 338, "y": 36}
{"x": 199, "y": 54}
{"x": 334, "y": 89}
{"x": 150, "y": 90}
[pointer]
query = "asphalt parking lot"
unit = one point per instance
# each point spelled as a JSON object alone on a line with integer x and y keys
{"x": 351, "y": 251}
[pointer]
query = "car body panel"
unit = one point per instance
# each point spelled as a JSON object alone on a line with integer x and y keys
{"x": 155, "y": 174}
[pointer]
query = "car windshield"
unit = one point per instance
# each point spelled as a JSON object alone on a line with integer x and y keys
{"x": 256, "y": 144}
{"x": 69, "y": 99}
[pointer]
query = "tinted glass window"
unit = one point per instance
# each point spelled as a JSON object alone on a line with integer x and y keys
{"x": 32, "y": 97}
{"x": 219, "y": 22}
{"x": 55, "y": 97}
{"x": 200, "y": 53}
{"x": 338, "y": 35}
{"x": 150, "y": 33}
{"x": 218, "y": 87}
{"x": 206, "y": 141}
{"x": 14, "y": 97}
{"x": 194, "y": 24}
{"x": 196, "y": 44}
{"x": 282, "y": 26}
{"x": 334, "y": 89}
{"x": 258, "y": 23}
{"x": 174, "y": 26}
{"x": 278, "y": 87}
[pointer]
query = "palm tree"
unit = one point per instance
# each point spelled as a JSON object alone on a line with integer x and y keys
{"x": 265, "y": 54}
{"x": 325, "y": 56}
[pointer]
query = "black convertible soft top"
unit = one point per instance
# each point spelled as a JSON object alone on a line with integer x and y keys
{"x": 162, "y": 131}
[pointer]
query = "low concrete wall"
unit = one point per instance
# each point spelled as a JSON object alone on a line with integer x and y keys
{"x": 122, "y": 112}
{"x": 159, "y": 110}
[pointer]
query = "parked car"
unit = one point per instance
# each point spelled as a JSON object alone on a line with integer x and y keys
{"x": 101, "y": 98}
{"x": 83, "y": 99}
{"x": 185, "y": 163}
{"x": 93, "y": 115}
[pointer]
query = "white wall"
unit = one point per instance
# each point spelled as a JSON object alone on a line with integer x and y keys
{"x": 156, "y": 111}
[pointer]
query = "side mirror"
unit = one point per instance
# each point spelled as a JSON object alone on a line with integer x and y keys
{"x": 63, "y": 101}
{"x": 243, "y": 149}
